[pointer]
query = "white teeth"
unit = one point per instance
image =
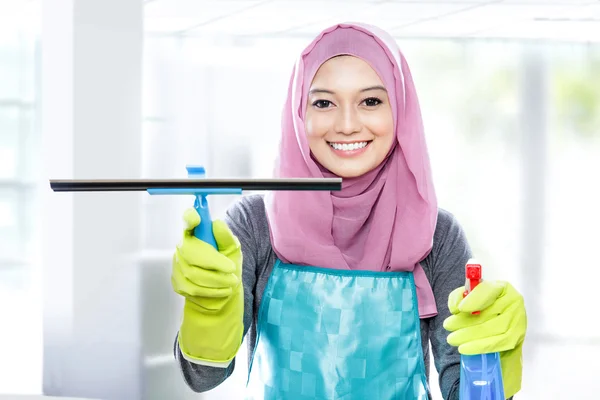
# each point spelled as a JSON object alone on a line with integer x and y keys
{"x": 348, "y": 147}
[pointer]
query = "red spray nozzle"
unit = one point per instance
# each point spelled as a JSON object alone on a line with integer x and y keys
{"x": 472, "y": 278}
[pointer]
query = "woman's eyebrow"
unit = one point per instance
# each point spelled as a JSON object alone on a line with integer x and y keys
{"x": 320, "y": 90}
{"x": 376, "y": 87}
{"x": 317, "y": 90}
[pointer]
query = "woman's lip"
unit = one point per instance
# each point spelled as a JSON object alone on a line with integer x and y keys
{"x": 354, "y": 141}
{"x": 351, "y": 153}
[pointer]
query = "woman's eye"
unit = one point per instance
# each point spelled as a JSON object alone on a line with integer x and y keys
{"x": 372, "y": 102}
{"x": 322, "y": 103}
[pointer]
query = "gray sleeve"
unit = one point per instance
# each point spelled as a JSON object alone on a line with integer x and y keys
{"x": 450, "y": 253}
{"x": 241, "y": 220}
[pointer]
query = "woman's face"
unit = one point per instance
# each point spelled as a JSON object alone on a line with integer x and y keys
{"x": 349, "y": 121}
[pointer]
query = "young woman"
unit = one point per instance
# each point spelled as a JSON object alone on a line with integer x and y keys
{"x": 342, "y": 292}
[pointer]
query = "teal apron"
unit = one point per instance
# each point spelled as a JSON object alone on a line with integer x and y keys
{"x": 333, "y": 334}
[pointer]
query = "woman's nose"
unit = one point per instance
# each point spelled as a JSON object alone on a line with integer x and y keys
{"x": 347, "y": 122}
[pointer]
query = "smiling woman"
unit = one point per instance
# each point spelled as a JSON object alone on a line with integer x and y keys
{"x": 349, "y": 120}
{"x": 378, "y": 257}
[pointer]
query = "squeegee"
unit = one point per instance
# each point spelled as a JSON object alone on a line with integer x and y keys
{"x": 200, "y": 187}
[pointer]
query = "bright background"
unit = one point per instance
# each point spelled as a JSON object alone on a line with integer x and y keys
{"x": 510, "y": 92}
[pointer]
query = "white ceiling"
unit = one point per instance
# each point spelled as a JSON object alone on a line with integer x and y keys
{"x": 577, "y": 20}
{"x": 538, "y": 19}
{"x": 19, "y": 15}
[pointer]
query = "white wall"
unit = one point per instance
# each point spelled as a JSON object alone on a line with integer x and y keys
{"x": 91, "y": 128}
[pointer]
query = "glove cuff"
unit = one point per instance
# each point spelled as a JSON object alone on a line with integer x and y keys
{"x": 212, "y": 339}
{"x": 512, "y": 370}
{"x": 203, "y": 361}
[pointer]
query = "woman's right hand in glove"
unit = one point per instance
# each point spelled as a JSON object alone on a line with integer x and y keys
{"x": 212, "y": 329}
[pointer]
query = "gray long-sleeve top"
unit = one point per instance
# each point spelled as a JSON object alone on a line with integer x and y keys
{"x": 444, "y": 267}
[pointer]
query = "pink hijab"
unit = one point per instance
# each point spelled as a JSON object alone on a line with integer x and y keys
{"x": 381, "y": 221}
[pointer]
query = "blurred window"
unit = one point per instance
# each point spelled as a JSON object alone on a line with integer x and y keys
{"x": 18, "y": 147}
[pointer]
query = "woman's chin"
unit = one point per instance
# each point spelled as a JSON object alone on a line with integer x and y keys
{"x": 351, "y": 171}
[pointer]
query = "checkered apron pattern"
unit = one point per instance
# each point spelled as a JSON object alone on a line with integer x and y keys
{"x": 331, "y": 334}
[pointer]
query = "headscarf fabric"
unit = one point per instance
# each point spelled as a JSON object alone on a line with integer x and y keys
{"x": 383, "y": 220}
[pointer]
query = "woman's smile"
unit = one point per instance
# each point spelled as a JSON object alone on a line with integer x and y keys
{"x": 349, "y": 148}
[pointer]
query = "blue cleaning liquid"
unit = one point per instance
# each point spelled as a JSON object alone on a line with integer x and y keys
{"x": 481, "y": 377}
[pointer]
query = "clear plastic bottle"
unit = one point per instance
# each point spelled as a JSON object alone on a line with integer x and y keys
{"x": 481, "y": 377}
{"x": 480, "y": 374}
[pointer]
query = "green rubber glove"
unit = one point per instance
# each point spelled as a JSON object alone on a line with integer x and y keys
{"x": 500, "y": 327}
{"x": 212, "y": 329}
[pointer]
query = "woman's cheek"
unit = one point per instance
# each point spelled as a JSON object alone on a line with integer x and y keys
{"x": 381, "y": 124}
{"x": 314, "y": 128}
{"x": 309, "y": 125}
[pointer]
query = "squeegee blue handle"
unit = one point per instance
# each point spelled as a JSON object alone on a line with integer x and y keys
{"x": 204, "y": 231}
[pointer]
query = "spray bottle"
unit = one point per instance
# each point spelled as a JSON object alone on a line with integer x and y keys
{"x": 480, "y": 374}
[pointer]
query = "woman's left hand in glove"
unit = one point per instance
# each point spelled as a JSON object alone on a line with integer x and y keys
{"x": 499, "y": 327}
